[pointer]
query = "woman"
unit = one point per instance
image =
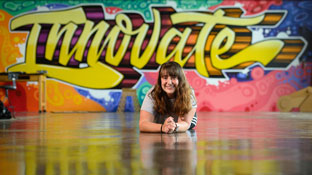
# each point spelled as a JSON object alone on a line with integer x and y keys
{"x": 169, "y": 106}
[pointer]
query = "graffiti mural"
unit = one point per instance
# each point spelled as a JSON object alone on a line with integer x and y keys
{"x": 237, "y": 55}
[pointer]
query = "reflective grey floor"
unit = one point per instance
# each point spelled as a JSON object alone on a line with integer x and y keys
{"x": 110, "y": 143}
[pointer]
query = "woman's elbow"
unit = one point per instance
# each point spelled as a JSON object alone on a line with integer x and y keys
{"x": 141, "y": 127}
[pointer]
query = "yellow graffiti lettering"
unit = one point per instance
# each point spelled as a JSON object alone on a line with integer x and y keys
{"x": 110, "y": 58}
{"x": 209, "y": 22}
{"x": 102, "y": 44}
{"x": 141, "y": 61}
{"x": 54, "y": 36}
{"x": 86, "y": 33}
{"x": 262, "y": 52}
{"x": 177, "y": 51}
{"x": 32, "y": 45}
{"x": 85, "y": 77}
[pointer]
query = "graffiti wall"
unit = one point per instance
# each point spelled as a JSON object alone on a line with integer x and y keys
{"x": 238, "y": 55}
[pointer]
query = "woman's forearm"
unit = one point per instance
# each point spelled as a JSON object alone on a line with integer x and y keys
{"x": 182, "y": 126}
{"x": 149, "y": 127}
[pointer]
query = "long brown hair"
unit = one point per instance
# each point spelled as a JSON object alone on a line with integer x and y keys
{"x": 183, "y": 92}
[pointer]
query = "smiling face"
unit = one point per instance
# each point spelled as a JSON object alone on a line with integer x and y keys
{"x": 169, "y": 83}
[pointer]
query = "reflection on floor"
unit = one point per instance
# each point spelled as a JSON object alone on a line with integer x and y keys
{"x": 110, "y": 143}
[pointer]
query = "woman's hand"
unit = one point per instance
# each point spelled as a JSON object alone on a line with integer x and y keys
{"x": 169, "y": 125}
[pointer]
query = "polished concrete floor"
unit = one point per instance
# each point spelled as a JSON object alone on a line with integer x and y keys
{"x": 110, "y": 143}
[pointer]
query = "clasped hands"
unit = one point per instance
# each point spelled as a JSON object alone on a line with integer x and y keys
{"x": 169, "y": 125}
